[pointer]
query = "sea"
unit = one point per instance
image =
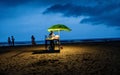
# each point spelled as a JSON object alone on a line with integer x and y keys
{"x": 20, "y": 43}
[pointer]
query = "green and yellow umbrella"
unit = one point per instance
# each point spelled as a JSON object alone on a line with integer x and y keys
{"x": 58, "y": 28}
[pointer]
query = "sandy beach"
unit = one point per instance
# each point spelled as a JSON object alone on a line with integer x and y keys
{"x": 97, "y": 58}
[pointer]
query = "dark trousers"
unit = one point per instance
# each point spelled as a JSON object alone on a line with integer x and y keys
{"x": 52, "y": 45}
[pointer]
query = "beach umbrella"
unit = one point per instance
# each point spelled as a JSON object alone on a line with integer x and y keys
{"x": 58, "y": 28}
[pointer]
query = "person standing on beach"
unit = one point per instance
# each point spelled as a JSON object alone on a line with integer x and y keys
{"x": 9, "y": 41}
{"x": 52, "y": 45}
{"x": 13, "y": 40}
{"x": 33, "y": 40}
{"x": 51, "y": 35}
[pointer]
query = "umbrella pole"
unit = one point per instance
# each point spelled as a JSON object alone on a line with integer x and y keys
{"x": 59, "y": 39}
{"x": 59, "y": 32}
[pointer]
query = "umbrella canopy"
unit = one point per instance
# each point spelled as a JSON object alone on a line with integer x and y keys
{"x": 59, "y": 27}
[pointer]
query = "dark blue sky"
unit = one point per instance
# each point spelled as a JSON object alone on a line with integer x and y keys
{"x": 86, "y": 18}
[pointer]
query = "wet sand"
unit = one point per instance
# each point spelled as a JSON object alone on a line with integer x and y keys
{"x": 102, "y": 58}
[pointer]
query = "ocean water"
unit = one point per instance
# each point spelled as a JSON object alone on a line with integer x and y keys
{"x": 20, "y": 43}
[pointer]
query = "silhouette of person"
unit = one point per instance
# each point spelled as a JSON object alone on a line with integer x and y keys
{"x": 33, "y": 40}
{"x": 9, "y": 41}
{"x": 52, "y": 45}
{"x": 13, "y": 40}
{"x": 51, "y": 35}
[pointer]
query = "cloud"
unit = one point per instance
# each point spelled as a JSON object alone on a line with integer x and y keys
{"x": 101, "y": 12}
{"x": 97, "y": 11}
{"x": 70, "y": 10}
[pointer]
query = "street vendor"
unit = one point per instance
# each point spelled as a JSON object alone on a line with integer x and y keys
{"x": 52, "y": 45}
{"x": 52, "y": 39}
{"x": 51, "y": 35}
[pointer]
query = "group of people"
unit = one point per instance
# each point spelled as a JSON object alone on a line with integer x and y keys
{"x": 11, "y": 41}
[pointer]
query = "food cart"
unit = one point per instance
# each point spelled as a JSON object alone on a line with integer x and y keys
{"x": 52, "y": 43}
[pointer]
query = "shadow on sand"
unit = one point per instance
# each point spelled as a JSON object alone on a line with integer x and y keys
{"x": 45, "y": 51}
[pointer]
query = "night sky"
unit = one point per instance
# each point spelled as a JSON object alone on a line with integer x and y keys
{"x": 87, "y": 18}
